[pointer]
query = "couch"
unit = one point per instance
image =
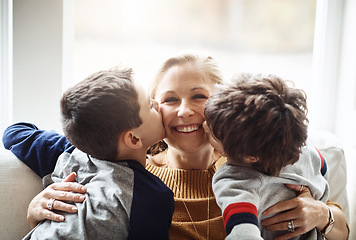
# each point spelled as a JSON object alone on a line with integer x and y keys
{"x": 18, "y": 184}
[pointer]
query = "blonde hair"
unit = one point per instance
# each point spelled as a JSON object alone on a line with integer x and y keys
{"x": 206, "y": 64}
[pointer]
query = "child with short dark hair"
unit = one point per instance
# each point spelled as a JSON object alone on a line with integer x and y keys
{"x": 111, "y": 121}
{"x": 259, "y": 123}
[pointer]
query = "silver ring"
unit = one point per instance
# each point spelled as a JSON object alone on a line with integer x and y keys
{"x": 50, "y": 203}
{"x": 291, "y": 226}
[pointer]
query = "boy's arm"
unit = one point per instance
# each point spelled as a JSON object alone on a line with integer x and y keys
{"x": 38, "y": 149}
{"x": 238, "y": 199}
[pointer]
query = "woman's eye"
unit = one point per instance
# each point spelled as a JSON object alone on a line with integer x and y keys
{"x": 170, "y": 99}
{"x": 200, "y": 96}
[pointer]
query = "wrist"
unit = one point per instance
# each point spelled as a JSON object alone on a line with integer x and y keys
{"x": 330, "y": 224}
{"x": 324, "y": 217}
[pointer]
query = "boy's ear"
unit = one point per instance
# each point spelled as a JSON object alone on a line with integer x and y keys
{"x": 250, "y": 159}
{"x": 131, "y": 140}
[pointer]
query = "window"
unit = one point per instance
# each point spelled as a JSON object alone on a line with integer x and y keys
{"x": 269, "y": 36}
{"x": 6, "y": 64}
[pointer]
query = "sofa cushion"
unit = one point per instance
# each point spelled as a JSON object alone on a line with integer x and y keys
{"x": 332, "y": 150}
{"x": 18, "y": 185}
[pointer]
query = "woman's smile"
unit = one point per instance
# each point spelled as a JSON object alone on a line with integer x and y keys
{"x": 187, "y": 128}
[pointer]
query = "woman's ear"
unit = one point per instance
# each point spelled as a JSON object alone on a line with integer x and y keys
{"x": 131, "y": 140}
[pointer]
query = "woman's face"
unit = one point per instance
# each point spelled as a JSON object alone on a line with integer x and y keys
{"x": 181, "y": 94}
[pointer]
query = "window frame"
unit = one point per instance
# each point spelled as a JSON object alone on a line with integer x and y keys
{"x": 6, "y": 64}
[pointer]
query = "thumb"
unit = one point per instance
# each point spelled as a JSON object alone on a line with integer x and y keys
{"x": 70, "y": 178}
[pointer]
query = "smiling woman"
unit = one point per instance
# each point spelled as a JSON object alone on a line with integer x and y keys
{"x": 245, "y": 35}
{"x": 182, "y": 93}
{"x": 188, "y": 162}
{"x": 181, "y": 87}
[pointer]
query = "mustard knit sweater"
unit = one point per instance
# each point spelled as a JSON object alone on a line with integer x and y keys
{"x": 192, "y": 188}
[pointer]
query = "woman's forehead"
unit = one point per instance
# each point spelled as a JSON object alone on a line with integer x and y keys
{"x": 177, "y": 87}
{"x": 188, "y": 78}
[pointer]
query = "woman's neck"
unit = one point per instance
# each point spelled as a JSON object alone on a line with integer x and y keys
{"x": 201, "y": 159}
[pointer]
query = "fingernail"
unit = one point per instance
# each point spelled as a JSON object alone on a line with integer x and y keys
{"x": 74, "y": 209}
{"x": 81, "y": 197}
{"x": 83, "y": 188}
{"x": 61, "y": 218}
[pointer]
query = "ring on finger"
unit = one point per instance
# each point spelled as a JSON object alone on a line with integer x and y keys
{"x": 50, "y": 203}
{"x": 291, "y": 226}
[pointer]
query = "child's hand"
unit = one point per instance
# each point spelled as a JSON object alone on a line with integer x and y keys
{"x": 66, "y": 190}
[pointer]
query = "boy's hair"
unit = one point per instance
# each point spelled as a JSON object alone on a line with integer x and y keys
{"x": 259, "y": 116}
{"x": 98, "y": 109}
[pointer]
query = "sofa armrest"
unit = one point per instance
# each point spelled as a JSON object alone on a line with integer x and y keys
{"x": 18, "y": 185}
{"x": 333, "y": 152}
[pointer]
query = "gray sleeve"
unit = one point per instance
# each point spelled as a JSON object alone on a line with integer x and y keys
{"x": 105, "y": 225}
{"x": 237, "y": 194}
{"x": 233, "y": 184}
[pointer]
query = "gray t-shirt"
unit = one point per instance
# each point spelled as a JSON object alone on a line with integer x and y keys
{"x": 123, "y": 201}
{"x": 243, "y": 194}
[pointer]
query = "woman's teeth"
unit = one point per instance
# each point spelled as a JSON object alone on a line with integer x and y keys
{"x": 187, "y": 129}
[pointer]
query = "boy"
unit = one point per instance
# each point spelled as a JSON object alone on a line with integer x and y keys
{"x": 111, "y": 122}
{"x": 259, "y": 123}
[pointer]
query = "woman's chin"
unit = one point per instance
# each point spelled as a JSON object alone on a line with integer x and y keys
{"x": 188, "y": 143}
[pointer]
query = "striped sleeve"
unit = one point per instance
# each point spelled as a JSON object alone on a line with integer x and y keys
{"x": 237, "y": 213}
{"x": 324, "y": 167}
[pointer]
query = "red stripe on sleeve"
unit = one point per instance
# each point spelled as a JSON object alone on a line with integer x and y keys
{"x": 240, "y": 207}
{"x": 321, "y": 159}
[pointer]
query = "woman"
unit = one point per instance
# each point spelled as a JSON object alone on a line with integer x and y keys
{"x": 182, "y": 87}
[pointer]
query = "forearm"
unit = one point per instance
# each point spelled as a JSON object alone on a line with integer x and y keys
{"x": 341, "y": 229}
{"x": 37, "y": 148}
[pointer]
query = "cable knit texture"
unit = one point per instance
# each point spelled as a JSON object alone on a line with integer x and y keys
{"x": 193, "y": 187}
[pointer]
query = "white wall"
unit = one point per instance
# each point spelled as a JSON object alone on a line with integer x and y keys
{"x": 345, "y": 114}
{"x": 326, "y": 55}
{"x": 40, "y": 60}
{"x": 5, "y": 64}
{"x": 334, "y": 86}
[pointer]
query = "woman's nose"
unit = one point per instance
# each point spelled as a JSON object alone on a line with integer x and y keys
{"x": 185, "y": 109}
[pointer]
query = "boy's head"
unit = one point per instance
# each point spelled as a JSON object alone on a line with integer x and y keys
{"x": 97, "y": 110}
{"x": 259, "y": 120}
